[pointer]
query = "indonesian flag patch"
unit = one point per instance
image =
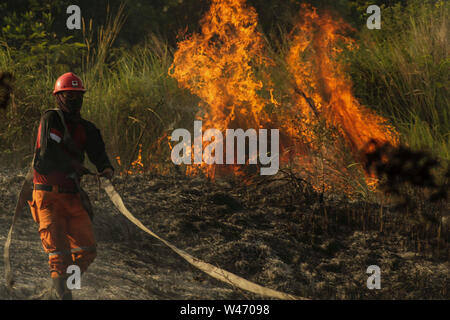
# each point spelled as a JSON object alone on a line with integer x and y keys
{"x": 55, "y": 135}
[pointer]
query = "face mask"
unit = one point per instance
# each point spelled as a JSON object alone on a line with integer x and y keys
{"x": 74, "y": 105}
{"x": 71, "y": 105}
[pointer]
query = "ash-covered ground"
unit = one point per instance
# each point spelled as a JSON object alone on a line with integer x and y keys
{"x": 266, "y": 231}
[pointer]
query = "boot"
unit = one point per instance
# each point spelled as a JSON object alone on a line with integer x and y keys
{"x": 55, "y": 291}
{"x": 60, "y": 288}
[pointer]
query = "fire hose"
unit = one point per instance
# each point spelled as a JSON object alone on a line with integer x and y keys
{"x": 213, "y": 271}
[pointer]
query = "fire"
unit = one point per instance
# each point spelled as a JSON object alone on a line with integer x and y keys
{"x": 224, "y": 65}
{"x": 219, "y": 64}
{"x": 312, "y": 61}
{"x": 137, "y": 166}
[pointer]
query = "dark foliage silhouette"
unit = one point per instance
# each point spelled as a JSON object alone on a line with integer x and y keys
{"x": 6, "y": 79}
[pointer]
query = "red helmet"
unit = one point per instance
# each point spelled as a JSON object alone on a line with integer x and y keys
{"x": 68, "y": 82}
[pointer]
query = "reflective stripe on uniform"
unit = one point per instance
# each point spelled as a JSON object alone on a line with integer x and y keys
{"x": 82, "y": 249}
{"x": 58, "y": 253}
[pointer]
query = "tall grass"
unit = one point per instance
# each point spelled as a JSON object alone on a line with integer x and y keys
{"x": 402, "y": 71}
{"x": 137, "y": 102}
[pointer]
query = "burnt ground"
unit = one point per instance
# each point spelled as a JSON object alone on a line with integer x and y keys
{"x": 267, "y": 232}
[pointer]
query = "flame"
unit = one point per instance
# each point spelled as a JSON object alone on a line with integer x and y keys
{"x": 224, "y": 65}
{"x": 219, "y": 64}
{"x": 137, "y": 166}
{"x": 313, "y": 62}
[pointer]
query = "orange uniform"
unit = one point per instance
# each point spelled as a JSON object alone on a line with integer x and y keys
{"x": 65, "y": 230}
{"x": 65, "y": 227}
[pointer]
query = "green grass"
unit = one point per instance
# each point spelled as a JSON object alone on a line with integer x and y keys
{"x": 402, "y": 71}
{"x": 138, "y": 100}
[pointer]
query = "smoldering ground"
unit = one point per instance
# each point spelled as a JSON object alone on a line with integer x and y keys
{"x": 269, "y": 231}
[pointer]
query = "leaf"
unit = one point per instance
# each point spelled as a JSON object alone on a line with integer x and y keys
{"x": 79, "y": 45}
{"x": 65, "y": 39}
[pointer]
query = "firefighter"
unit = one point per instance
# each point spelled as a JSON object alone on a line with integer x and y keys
{"x": 65, "y": 227}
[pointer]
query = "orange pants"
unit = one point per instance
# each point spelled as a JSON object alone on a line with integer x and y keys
{"x": 65, "y": 229}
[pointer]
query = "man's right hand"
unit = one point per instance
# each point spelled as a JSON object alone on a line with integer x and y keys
{"x": 108, "y": 173}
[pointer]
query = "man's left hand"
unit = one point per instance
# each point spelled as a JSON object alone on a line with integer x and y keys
{"x": 107, "y": 173}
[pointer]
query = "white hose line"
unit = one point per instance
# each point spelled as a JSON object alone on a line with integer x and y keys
{"x": 213, "y": 271}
